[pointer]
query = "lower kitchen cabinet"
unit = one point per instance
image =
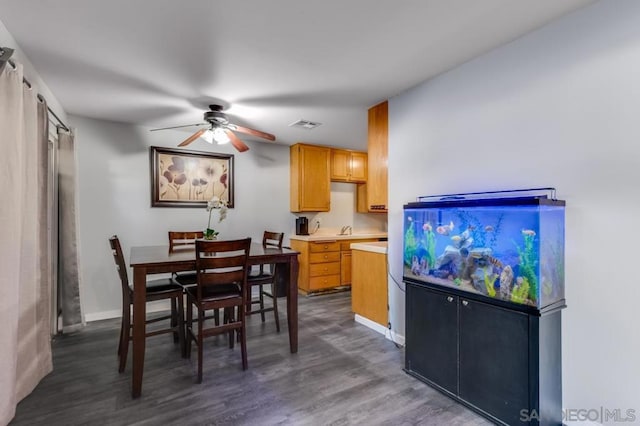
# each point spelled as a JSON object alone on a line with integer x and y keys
{"x": 324, "y": 264}
{"x": 319, "y": 264}
{"x": 504, "y": 363}
{"x": 369, "y": 291}
{"x": 345, "y": 267}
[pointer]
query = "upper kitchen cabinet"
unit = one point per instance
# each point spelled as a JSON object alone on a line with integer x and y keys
{"x": 377, "y": 147}
{"x": 348, "y": 166}
{"x": 310, "y": 178}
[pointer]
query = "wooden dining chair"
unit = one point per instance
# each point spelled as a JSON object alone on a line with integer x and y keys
{"x": 265, "y": 275}
{"x": 159, "y": 289}
{"x": 221, "y": 268}
{"x": 184, "y": 240}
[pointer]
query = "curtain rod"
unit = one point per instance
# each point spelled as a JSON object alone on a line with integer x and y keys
{"x": 8, "y": 52}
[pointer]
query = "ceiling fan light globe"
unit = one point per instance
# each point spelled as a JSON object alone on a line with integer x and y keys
{"x": 208, "y": 136}
{"x": 220, "y": 136}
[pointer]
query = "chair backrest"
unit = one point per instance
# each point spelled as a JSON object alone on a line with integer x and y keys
{"x": 222, "y": 262}
{"x": 116, "y": 249}
{"x": 272, "y": 239}
{"x": 183, "y": 239}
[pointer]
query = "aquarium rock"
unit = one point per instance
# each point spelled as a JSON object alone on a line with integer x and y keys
{"x": 478, "y": 278}
{"x": 415, "y": 266}
{"x": 450, "y": 261}
{"x": 506, "y": 279}
{"x": 419, "y": 267}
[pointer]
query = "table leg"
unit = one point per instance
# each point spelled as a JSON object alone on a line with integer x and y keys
{"x": 139, "y": 316}
{"x": 292, "y": 304}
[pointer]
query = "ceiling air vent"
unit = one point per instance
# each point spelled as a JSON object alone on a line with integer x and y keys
{"x": 305, "y": 124}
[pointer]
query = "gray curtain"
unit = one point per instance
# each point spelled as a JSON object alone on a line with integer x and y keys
{"x": 68, "y": 269}
{"x": 25, "y": 285}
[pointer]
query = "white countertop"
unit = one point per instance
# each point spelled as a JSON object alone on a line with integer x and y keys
{"x": 335, "y": 237}
{"x": 375, "y": 246}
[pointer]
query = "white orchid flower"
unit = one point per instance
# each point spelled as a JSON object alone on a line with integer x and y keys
{"x": 215, "y": 203}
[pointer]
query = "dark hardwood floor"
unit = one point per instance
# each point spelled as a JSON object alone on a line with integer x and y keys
{"x": 343, "y": 374}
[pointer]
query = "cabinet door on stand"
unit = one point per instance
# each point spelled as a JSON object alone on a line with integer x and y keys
{"x": 494, "y": 359}
{"x": 432, "y": 336}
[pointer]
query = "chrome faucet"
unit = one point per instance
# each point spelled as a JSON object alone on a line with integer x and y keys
{"x": 346, "y": 228}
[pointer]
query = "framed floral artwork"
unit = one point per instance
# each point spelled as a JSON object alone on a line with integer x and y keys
{"x": 182, "y": 178}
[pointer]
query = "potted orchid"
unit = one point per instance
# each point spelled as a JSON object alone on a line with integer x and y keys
{"x": 215, "y": 203}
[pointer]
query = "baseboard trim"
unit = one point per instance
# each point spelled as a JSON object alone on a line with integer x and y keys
{"x": 389, "y": 334}
{"x": 152, "y": 307}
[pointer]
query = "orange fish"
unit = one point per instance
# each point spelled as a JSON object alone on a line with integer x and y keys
{"x": 445, "y": 229}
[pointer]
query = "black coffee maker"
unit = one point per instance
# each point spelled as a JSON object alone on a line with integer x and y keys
{"x": 302, "y": 226}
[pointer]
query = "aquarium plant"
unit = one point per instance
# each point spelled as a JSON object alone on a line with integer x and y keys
{"x": 528, "y": 261}
{"x": 410, "y": 243}
{"x": 429, "y": 243}
{"x": 489, "y": 282}
{"x": 469, "y": 221}
{"x": 521, "y": 291}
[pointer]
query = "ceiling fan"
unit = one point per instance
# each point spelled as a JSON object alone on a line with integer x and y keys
{"x": 220, "y": 130}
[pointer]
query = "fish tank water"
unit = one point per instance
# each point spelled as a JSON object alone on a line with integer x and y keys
{"x": 511, "y": 249}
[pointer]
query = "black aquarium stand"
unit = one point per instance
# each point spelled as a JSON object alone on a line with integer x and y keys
{"x": 498, "y": 358}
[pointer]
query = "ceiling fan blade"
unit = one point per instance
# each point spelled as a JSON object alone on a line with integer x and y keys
{"x": 193, "y": 137}
{"x": 236, "y": 142}
{"x": 178, "y": 127}
{"x": 253, "y": 132}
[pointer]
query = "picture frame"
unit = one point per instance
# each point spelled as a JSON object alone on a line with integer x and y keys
{"x": 184, "y": 178}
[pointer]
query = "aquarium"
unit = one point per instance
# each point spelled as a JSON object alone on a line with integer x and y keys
{"x": 511, "y": 249}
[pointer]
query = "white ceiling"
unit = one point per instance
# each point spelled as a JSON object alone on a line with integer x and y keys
{"x": 161, "y": 62}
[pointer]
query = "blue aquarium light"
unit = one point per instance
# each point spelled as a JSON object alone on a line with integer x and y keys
{"x": 509, "y": 193}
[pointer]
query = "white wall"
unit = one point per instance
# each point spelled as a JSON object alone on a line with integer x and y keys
{"x": 114, "y": 198}
{"x": 559, "y": 107}
{"x": 343, "y": 212}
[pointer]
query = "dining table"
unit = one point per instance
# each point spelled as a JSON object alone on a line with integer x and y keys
{"x": 147, "y": 260}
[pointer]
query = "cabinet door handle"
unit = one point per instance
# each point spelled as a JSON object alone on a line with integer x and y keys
{"x": 449, "y": 299}
{"x": 326, "y": 257}
{"x": 465, "y": 303}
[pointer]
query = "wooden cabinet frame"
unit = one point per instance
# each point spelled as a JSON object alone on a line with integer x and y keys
{"x": 348, "y": 166}
{"x": 377, "y": 148}
{"x": 310, "y": 185}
